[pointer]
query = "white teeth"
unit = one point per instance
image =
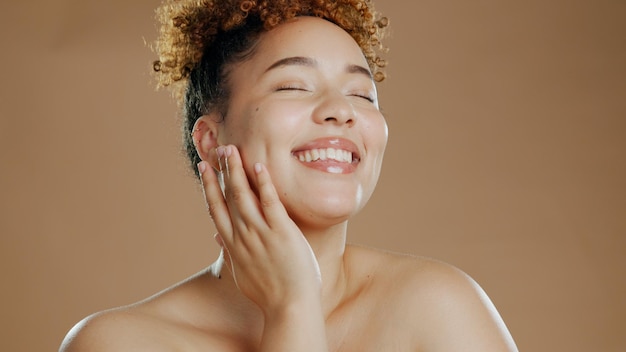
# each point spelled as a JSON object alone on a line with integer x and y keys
{"x": 315, "y": 154}
{"x": 324, "y": 154}
{"x": 330, "y": 153}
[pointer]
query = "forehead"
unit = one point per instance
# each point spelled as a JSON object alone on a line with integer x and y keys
{"x": 310, "y": 37}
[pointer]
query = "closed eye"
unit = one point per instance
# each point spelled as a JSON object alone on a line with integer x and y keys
{"x": 281, "y": 88}
{"x": 364, "y": 96}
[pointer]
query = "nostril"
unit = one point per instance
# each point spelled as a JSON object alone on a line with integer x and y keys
{"x": 348, "y": 121}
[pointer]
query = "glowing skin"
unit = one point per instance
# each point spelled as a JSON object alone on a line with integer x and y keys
{"x": 295, "y": 106}
{"x": 310, "y": 141}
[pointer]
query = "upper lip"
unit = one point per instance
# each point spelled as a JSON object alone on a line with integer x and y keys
{"x": 331, "y": 142}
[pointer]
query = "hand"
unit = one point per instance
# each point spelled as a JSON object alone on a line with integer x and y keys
{"x": 267, "y": 254}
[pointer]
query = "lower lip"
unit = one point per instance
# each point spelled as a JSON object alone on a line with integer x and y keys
{"x": 330, "y": 166}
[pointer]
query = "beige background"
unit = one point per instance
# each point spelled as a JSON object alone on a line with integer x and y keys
{"x": 507, "y": 158}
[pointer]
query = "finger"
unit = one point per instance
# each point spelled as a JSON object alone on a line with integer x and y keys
{"x": 216, "y": 204}
{"x": 240, "y": 198}
{"x": 271, "y": 206}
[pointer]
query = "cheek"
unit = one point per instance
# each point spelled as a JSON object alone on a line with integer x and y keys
{"x": 267, "y": 117}
{"x": 377, "y": 133}
{"x": 283, "y": 116}
{"x": 253, "y": 136}
{"x": 241, "y": 132}
{"x": 384, "y": 133}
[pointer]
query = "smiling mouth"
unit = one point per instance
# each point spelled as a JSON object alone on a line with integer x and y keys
{"x": 326, "y": 154}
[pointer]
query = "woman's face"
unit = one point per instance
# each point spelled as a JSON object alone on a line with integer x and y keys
{"x": 305, "y": 105}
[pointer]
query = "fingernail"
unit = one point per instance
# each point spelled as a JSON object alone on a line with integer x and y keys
{"x": 228, "y": 150}
{"x": 258, "y": 168}
{"x": 220, "y": 151}
{"x": 201, "y": 167}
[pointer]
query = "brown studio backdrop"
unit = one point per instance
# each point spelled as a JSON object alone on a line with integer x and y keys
{"x": 506, "y": 158}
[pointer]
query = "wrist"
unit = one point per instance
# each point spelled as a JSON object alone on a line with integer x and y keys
{"x": 293, "y": 308}
{"x": 294, "y": 326}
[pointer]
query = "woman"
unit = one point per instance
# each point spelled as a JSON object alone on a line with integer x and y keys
{"x": 284, "y": 128}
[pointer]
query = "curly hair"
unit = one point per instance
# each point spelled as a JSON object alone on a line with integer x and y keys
{"x": 200, "y": 39}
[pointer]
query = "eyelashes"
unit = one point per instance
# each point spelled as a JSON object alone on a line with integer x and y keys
{"x": 290, "y": 87}
{"x": 366, "y": 96}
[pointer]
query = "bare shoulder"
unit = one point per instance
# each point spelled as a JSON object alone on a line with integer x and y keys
{"x": 410, "y": 271}
{"x": 418, "y": 277}
{"x": 115, "y": 330}
{"x": 167, "y": 321}
{"x": 437, "y": 300}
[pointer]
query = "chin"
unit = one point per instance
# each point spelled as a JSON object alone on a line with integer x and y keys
{"x": 319, "y": 222}
{"x": 327, "y": 213}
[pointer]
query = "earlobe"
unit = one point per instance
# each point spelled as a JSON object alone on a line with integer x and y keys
{"x": 204, "y": 136}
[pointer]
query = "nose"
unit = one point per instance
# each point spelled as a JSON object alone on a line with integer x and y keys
{"x": 335, "y": 108}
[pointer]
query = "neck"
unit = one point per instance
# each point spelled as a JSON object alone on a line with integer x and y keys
{"x": 328, "y": 245}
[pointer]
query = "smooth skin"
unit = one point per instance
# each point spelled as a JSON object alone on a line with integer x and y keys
{"x": 285, "y": 279}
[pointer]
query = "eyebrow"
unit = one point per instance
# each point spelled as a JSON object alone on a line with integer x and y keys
{"x": 309, "y": 62}
{"x": 360, "y": 70}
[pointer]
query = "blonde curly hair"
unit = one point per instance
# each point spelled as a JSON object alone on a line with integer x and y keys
{"x": 200, "y": 39}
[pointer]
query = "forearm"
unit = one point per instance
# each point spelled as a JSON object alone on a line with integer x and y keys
{"x": 295, "y": 328}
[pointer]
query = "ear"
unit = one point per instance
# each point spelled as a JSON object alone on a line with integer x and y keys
{"x": 204, "y": 135}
